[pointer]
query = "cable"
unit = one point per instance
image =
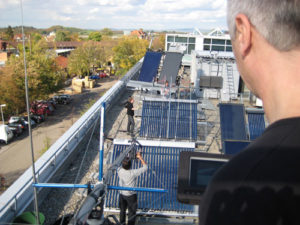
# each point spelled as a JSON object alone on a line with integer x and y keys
{"x": 79, "y": 170}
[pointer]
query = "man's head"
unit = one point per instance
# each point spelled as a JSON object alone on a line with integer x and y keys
{"x": 278, "y": 21}
{"x": 126, "y": 163}
{"x": 130, "y": 99}
{"x": 265, "y": 36}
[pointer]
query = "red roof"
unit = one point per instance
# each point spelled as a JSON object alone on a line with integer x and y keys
{"x": 62, "y": 61}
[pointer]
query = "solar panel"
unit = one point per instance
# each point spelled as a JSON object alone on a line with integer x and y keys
{"x": 162, "y": 173}
{"x": 232, "y": 147}
{"x": 232, "y": 119}
{"x": 170, "y": 67}
{"x": 150, "y": 66}
{"x": 169, "y": 120}
{"x": 256, "y": 123}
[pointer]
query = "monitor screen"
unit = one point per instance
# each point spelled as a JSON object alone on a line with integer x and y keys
{"x": 202, "y": 170}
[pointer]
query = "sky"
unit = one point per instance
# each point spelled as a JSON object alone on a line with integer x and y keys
{"x": 117, "y": 14}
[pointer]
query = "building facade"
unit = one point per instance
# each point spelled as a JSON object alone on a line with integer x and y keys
{"x": 216, "y": 40}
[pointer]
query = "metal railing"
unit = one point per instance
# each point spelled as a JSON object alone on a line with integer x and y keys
{"x": 19, "y": 195}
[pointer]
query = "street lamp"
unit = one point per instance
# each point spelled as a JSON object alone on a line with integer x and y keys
{"x": 3, "y": 105}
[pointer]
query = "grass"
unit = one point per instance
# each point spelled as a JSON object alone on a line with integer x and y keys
{"x": 47, "y": 144}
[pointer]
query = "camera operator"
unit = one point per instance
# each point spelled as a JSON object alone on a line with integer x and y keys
{"x": 127, "y": 178}
{"x": 261, "y": 184}
{"x": 130, "y": 114}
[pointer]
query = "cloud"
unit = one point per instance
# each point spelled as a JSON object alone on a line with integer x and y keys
{"x": 8, "y": 3}
{"x": 147, "y": 14}
{"x": 94, "y": 10}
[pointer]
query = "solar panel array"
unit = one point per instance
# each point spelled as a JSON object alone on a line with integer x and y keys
{"x": 257, "y": 125}
{"x": 234, "y": 147}
{"x": 150, "y": 66}
{"x": 163, "y": 119}
{"x": 162, "y": 173}
{"x": 232, "y": 119}
{"x": 171, "y": 67}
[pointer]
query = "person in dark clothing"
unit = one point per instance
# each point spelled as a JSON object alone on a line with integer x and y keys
{"x": 261, "y": 184}
{"x": 127, "y": 178}
{"x": 130, "y": 114}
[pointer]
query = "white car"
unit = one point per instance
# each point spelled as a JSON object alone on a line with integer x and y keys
{"x": 14, "y": 119}
{"x": 5, "y": 134}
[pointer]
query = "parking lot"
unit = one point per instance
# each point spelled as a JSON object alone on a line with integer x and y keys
{"x": 15, "y": 157}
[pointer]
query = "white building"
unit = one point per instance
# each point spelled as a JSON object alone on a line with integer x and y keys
{"x": 216, "y": 40}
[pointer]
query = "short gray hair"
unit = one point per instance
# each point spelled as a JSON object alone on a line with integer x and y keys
{"x": 278, "y": 21}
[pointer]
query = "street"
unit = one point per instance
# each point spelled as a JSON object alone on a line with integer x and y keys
{"x": 15, "y": 157}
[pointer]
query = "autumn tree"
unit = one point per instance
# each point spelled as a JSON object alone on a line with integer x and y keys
{"x": 44, "y": 77}
{"x": 85, "y": 57}
{"x": 95, "y": 36}
{"x": 159, "y": 42}
{"x": 128, "y": 52}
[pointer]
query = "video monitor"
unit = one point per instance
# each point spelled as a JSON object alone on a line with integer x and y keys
{"x": 195, "y": 172}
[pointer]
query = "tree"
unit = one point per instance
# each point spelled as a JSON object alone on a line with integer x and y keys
{"x": 9, "y": 33}
{"x": 128, "y": 52}
{"x": 85, "y": 57}
{"x": 106, "y": 32}
{"x": 159, "y": 42}
{"x": 35, "y": 37}
{"x": 61, "y": 36}
{"x": 95, "y": 36}
{"x": 44, "y": 77}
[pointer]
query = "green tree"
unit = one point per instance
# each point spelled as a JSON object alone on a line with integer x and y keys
{"x": 106, "y": 32}
{"x": 9, "y": 33}
{"x": 61, "y": 36}
{"x": 85, "y": 57}
{"x": 95, "y": 36}
{"x": 128, "y": 52}
{"x": 35, "y": 37}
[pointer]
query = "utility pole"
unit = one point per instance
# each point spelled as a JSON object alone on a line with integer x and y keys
{"x": 3, "y": 105}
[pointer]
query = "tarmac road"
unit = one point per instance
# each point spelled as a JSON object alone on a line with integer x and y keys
{"x": 15, "y": 157}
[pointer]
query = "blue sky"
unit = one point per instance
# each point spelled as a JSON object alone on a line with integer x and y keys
{"x": 119, "y": 14}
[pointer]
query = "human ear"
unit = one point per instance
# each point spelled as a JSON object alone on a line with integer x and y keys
{"x": 243, "y": 34}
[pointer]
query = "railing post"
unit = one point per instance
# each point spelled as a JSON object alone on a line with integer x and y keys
{"x": 101, "y": 144}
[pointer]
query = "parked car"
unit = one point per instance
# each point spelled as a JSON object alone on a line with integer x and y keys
{"x": 37, "y": 118}
{"x": 48, "y": 104}
{"x": 16, "y": 128}
{"x": 102, "y": 75}
{"x": 94, "y": 77}
{"x": 52, "y": 102}
{"x": 25, "y": 118}
{"x": 20, "y": 120}
{"x": 6, "y": 134}
{"x": 41, "y": 108}
{"x": 62, "y": 99}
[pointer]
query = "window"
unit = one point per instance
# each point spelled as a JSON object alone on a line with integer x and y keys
{"x": 228, "y": 42}
{"x": 192, "y": 40}
{"x": 228, "y": 49}
{"x": 217, "y": 48}
{"x": 181, "y": 39}
{"x": 218, "y": 41}
{"x": 207, "y": 41}
{"x": 206, "y": 47}
{"x": 191, "y": 48}
{"x": 170, "y": 39}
